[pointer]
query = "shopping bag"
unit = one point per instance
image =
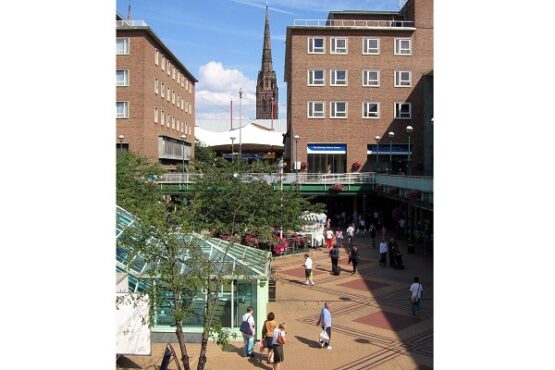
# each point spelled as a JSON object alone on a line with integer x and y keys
{"x": 262, "y": 345}
{"x": 324, "y": 336}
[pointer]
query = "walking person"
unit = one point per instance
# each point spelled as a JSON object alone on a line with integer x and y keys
{"x": 351, "y": 234}
{"x": 339, "y": 237}
{"x": 278, "y": 341}
{"x": 373, "y": 231}
{"x": 334, "y": 255}
{"x": 354, "y": 258}
{"x": 329, "y": 238}
{"x": 383, "y": 252}
{"x": 415, "y": 297}
{"x": 325, "y": 323}
{"x": 268, "y": 334}
{"x": 308, "y": 270}
{"x": 247, "y": 329}
{"x": 392, "y": 248}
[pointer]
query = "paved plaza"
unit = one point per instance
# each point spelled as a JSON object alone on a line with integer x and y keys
{"x": 373, "y": 327}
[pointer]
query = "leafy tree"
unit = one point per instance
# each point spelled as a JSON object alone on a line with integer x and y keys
{"x": 225, "y": 198}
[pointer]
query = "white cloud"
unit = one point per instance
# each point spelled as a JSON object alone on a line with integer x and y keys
{"x": 217, "y": 86}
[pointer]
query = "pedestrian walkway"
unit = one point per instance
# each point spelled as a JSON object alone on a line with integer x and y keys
{"x": 373, "y": 327}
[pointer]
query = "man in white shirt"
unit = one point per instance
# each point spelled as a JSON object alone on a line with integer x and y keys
{"x": 351, "y": 234}
{"x": 308, "y": 269}
{"x": 383, "y": 252}
{"x": 329, "y": 237}
{"x": 248, "y": 339}
{"x": 415, "y": 296}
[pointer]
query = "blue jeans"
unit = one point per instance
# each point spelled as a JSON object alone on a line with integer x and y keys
{"x": 248, "y": 344}
{"x": 416, "y": 308}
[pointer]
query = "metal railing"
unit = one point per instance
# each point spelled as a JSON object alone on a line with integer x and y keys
{"x": 421, "y": 183}
{"x": 131, "y": 23}
{"x": 358, "y": 23}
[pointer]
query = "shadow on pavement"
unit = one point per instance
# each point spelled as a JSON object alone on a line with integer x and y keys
{"x": 232, "y": 348}
{"x": 259, "y": 361}
{"x": 308, "y": 342}
{"x": 126, "y": 363}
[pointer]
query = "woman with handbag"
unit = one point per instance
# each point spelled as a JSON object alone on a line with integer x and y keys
{"x": 268, "y": 335}
{"x": 278, "y": 342}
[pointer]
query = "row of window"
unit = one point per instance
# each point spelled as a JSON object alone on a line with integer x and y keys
{"x": 170, "y": 95}
{"x": 339, "y": 109}
{"x": 123, "y": 48}
{"x": 165, "y": 64}
{"x": 370, "y": 45}
{"x": 171, "y": 121}
{"x": 370, "y": 77}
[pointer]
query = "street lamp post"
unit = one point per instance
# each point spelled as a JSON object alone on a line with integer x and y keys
{"x": 280, "y": 166}
{"x": 377, "y": 138}
{"x": 232, "y": 152}
{"x": 390, "y": 134}
{"x": 409, "y": 166}
{"x": 240, "y": 122}
{"x": 296, "y": 137}
{"x": 121, "y": 137}
{"x": 183, "y": 137}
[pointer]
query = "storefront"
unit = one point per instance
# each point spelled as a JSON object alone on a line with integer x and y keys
{"x": 326, "y": 158}
{"x": 388, "y": 158}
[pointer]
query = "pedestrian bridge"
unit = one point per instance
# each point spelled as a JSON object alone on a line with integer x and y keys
{"x": 414, "y": 188}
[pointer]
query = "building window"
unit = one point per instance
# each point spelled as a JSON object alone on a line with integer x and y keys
{"x": 122, "y": 109}
{"x": 122, "y": 77}
{"x": 338, "y": 77}
{"x": 168, "y": 120}
{"x": 168, "y": 67}
{"x": 315, "y": 77}
{"x": 371, "y": 77}
{"x": 156, "y": 56}
{"x": 338, "y": 45}
{"x": 403, "y": 47}
{"x": 191, "y": 87}
{"x": 163, "y": 90}
{"x": 162, "y": 118}
{"x": 168, "y": 93}
{"x": 182, "y": 101}
{"x": 173, "y": 122}
{"x": 156, "y": 86}
{"x": 316, "y": 45}
{"x": 173, "y": 97}
{"x": 178, "y": 77}
{"x": 182, "y": 127}
{"x": 182, "y": 80}
{"x": 370, "y": 109}
{"x": 122, "y": 46}
{"x": 402, "y": 110}
{"x": 163, "y": 63}
{"x": 338, "y": 109}
{"x": 190, "y": 108}
{"x": 155, "y": 115}
{"x": 173, "y": 72}
{"x": 402, "y": 78}
{"x": 316, "y": 109}
{"x": 371, "y": 46}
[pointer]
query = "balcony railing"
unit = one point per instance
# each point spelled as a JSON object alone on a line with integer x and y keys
{"x": 352, "y": 23}
{"x": 131, "y": 23}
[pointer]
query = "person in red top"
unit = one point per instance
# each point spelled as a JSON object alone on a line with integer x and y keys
{"x": 329, "y": 238}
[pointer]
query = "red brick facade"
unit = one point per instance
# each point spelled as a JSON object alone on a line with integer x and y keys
{"x": 141, "y": 132}
{"x": 354, "y": 131}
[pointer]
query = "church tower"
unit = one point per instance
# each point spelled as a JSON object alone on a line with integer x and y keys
{"x": 266, "y": 85}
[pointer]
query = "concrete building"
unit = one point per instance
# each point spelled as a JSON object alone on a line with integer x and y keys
{"x": 155, "y": 97}
{"x": 356, "y": 76}
{"x": 266, "y": 84}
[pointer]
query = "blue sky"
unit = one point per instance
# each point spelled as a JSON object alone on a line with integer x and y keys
{"x": 220, "y": 41}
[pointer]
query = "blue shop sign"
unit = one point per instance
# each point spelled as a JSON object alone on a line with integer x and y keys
{"x": 396, "y": 149}
{"x": 327, "y": 148}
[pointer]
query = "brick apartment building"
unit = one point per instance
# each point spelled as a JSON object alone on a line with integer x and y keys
{"x": 155, "y": 97}
{"x": 357, "y": 75}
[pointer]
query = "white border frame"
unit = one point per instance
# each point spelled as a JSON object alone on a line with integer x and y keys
{"x": 313, "y": 38}
{"x": 308, "y": 72}
{"x": 395, "y": 46}
{"x": 127, "y": 104}
{"x": 127, "y": 74}
{"x": 395, "y": 109}
{"x": 364, "y": 109}
{"x": 332, "y": 39}
{"x": 346, "y": 77}
{"x": 346, "y": 109}
{"x": 308, "y": 109}
{"x": 364, "y": 79}
{"x": 128, "y": 45}
{"x": 396, "y": 82}
{"x": 364, "y": 40}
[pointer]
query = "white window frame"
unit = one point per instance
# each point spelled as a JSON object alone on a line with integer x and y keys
{"x": 311, "y": 79}
{"x": 125, "y": 110}
{"x": 311, "y": 49}
{"x": 163, "y": 90}
{"x": 365, "y": 105}
{"x": 163, "y": 64}
{"x": 333, "y": 45}
{"x": 173, "y": 72}
{"x": 168, "y": 67}
{"x": 125, "y": 78}
{"x": 366, "y": 50}
{"x": 397, "y": 109}
{"x": 173, "y": 97}
{"x": 126, "y": 46}
{"x": 156, "y": 86}
{"x": 182, "y": 80}
{"x": 168, "y": 93}
{"x": 400, "y": 82}
{"x": 178, "y": 77}
{"x": 311, "y": 106}
{"x": 190, "y": 108}
{"x": 156, "y": 114}
{"x": 182, "y": 103}
{"x": 334, "y": 79}
{"x": 173, "y": 122}
{"x": 162, "y": 117}
{"x": 334, "y": 112}
{"x": 398, "y": 50}
{"x": 366, "y": 81}
{"x": 156, "y": 56}
{"x": 168, "y": 120}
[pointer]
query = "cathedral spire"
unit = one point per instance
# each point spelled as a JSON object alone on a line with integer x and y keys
{"x": 266, "y": 85}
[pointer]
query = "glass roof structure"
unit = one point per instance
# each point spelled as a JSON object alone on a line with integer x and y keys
{"x": 235, "y": 261}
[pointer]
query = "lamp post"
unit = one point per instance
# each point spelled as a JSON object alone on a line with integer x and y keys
{"x": 240, "y": 122}
{"x": 183, "y": 137}
{"x": 280, "y": 166}
{"x": 296, "y": 137}
{"x": 232, "y": 153}
{"x": 121, "y": 137}
{"x": 390, "y": 134}
{"x": 377, "y": 138}
{"x": 409, "y": 167}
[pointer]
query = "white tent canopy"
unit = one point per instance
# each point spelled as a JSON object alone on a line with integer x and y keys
{"x": 250, "y": 134}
